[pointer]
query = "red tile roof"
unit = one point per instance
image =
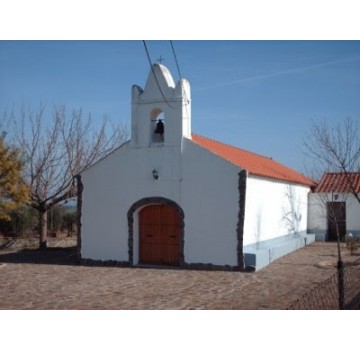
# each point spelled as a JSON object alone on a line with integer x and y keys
{"x": 339, "y": 182}
{"x": 254, "y": 163}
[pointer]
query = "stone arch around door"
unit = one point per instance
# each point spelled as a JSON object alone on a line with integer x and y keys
{"x": 150, "y": 201}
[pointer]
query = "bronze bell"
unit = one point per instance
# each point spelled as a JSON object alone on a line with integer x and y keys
{"x": 159, "y": 128}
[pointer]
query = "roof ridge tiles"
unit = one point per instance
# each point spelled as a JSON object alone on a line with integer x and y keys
{"x": 228, "y": 145}
{"x": 255, "y": 163}
{"x": 339, "y": 182}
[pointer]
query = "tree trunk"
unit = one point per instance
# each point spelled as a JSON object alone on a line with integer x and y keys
{"x": 43, "y": 229}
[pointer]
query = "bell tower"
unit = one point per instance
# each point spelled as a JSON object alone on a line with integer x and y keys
{"x": 161, "y": 112}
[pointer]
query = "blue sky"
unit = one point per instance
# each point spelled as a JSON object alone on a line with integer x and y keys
{"x": 258, "y": 95}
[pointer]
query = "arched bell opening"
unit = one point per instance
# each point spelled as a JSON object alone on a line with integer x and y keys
{"x": 157, "y": 125}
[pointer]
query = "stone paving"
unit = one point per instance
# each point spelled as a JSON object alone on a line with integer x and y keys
{"x": 31, "y": 279}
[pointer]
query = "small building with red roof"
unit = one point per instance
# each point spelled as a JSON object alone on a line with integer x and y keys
{"x": 334, "y": 207}
{"x": 169, "y": 197}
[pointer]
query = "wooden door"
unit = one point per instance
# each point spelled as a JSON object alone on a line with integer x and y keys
{"x": 336, "y": 217}
{"x": 159, "y": 235}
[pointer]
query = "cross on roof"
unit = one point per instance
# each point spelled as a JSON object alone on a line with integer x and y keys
{"x": 160, "y": 59}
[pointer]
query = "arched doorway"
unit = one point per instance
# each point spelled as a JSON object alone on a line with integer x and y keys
{"x": 168, "y": 218}
{"x": 159, "y": 235}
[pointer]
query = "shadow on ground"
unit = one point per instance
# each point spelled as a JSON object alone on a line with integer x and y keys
{"x": 54, "y": 256}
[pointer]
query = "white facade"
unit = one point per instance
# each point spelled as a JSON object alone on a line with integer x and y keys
{"x": 113, "y": 185}
{"x": 210, "y": 199}
{"x": 125, "y": 177}
{"x": 204, "y": 185}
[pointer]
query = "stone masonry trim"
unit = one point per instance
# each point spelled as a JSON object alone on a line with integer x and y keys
{"x": 241, "y": 218}
{"x": 80, "y": 188}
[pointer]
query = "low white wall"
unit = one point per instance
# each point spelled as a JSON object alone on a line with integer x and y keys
{"x": 270, "y": 206}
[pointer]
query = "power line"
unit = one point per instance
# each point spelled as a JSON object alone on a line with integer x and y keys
{"x": 176, "y": 61}
{"x": 152, "y": 70}
{"x": 179, "y": 72}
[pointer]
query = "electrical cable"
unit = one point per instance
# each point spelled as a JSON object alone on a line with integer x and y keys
{"x": 152, "y": 70}
{"x": 179, "y": 72}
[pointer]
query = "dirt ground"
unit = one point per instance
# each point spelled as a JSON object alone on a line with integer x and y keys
{"x": 51, "y": 279}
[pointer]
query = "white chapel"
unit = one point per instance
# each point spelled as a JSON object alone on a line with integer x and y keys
{"x": 169, "y": 197}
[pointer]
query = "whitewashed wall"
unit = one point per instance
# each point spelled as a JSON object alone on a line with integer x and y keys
{"x": 352, "y": 215}
{"x": 113, "y": 185}
{"x": 177, "y": 109}
{"x": 202, "y": 184}
{"x": 266, "y": 205}
{"x": 210, "y": 200}
{"x": 317, "y": 211}
{"x": 317, "y": 221}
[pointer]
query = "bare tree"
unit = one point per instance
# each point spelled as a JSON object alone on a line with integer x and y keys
{"x": 56, "y": 148}
{"x": 335, "y": 149}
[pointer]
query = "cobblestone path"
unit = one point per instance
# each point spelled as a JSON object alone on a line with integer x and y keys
{"x": 36, "y": 280}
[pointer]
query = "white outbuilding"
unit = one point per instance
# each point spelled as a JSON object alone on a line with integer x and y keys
{"x": 333, "y": 207}
{"x": 171, "y": 197}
